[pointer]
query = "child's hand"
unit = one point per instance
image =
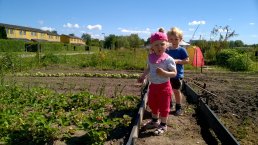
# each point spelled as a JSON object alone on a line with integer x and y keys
{"x": 140, "y": 79}
{"x": 160, "y": 71}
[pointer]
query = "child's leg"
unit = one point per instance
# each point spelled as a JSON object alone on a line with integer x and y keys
{"x": 178, "y": 97}
{"x": 152, "y": 102}
{"x": 162, "y": 128}
{"x": 164, "y": 108}
{"x": 177, "y": 84}
{"x": 153, "y": 123}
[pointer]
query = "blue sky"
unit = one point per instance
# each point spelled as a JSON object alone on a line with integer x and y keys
{"x": 101, "y": 18}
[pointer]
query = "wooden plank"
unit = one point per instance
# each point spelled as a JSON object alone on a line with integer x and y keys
{"x": 210, "y": 117}
{"x": 135, "y": 130}
{"x": 192, "y": 96}
{"x": 221, "y": 132}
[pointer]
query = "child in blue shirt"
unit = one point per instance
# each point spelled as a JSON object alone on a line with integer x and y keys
{"x": 175, "y": 35}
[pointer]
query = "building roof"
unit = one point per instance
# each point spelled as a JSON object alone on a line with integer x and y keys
{"x": 26, "y": 28}
{"x": 71, "y": 36}
{"x": 183, "y": 43}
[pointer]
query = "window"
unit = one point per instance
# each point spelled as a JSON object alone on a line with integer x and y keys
{"x": 22, "y": 32}
{"x": 33, "y": 33}
{"x": 11, "y": 31}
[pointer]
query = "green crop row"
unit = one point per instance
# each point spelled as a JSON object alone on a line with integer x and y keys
{"x": 40, "y": 116}
{"x": 103, "y": 75}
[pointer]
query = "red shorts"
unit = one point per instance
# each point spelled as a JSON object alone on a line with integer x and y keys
{"x": 159, "y": 98}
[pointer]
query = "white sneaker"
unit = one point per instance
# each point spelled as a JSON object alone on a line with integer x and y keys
{"x": 150, "y": 124}
{"x": 160, "y": 130}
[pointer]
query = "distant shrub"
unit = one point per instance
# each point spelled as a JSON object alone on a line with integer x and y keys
{"x": 223, "y": 56}
{"x": 240, "y": 62}
{"x": 52, "y": 46}
{"x": 3, "y": 34}
{"x": 9, "y": 62}
{"x": 49, "y": 58}
{"x": 11, "y": 45}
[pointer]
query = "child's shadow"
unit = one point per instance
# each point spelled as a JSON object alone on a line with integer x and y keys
{"x": 143, "y": 132}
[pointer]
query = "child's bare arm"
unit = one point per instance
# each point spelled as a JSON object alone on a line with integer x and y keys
{"x": 165, "y": 73}
{"x": 182, "y": 61}
{"x": 142, "y": 77}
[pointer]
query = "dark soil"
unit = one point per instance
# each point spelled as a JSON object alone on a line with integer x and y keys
{"x": 236, "y": 101}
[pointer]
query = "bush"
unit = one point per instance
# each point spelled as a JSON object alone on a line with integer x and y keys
{"x": 240, "y": 62}
{"x": 50, "y": 58}
{"x": 223, "y": 56}
{"x": 52, "y": 47}
{"x": 11, "y": 45}
{"x": 9, "y": 62}
{"x": 210, "y": 56}
{"x": 3, "y": 34}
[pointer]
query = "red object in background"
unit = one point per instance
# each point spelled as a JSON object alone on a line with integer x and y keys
{"x": 198, "y": 60}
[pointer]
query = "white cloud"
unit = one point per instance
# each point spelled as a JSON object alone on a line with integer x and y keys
{"x": 76, "y": 26}
{"x": 251, "y": 23}
{"x": 197, "y": 22}
{"x": 146, "y": 31}
{"x": 94, "y": 27}
{"x": 254, "y": 35}
{"x": 69, "y": 25}
{"x": 47, "y": 28}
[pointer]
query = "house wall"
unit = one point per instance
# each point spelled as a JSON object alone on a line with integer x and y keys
{"x": 20, "y": 33}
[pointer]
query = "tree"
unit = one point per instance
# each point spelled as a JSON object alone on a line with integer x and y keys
{"x": 224, "y": 32}
{"x": 135, "y": 41}
{"x": 87, "y": 38}
{"x": 54, "y": 31}
{"x": 239, "y": 43}
{"x": 3, "y": 34}
{"x": 110, "y": 41}
{"x": 122, "y": 41}
{"x": 71, "y": 34}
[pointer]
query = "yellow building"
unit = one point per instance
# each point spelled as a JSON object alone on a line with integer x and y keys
{"x": 27, "y": 33}
{"x": 72, "y": 39}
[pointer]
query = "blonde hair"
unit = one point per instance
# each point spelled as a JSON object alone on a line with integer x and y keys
{"x": 175, "y": 32}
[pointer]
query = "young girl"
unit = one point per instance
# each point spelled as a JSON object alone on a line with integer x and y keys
{"x": 161, "y": 67}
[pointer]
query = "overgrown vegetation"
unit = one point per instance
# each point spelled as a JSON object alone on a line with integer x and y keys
{"x": 234, "y": 60}
{"x": 39, "y": 116}
{"x": 109, "y": 59}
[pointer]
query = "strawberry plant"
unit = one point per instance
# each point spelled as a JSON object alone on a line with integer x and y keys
{"x": 39, "y": 116}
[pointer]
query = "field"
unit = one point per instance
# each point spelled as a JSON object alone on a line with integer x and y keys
{"x": 236, "y": 105}
{"x": 105, "y": 119}
{"x": 48, "y": 99}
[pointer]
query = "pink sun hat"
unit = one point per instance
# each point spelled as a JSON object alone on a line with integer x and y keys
{"x": 158, "y": 36}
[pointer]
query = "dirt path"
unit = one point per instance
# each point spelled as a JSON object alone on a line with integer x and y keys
{"x": 182, "y": 130}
